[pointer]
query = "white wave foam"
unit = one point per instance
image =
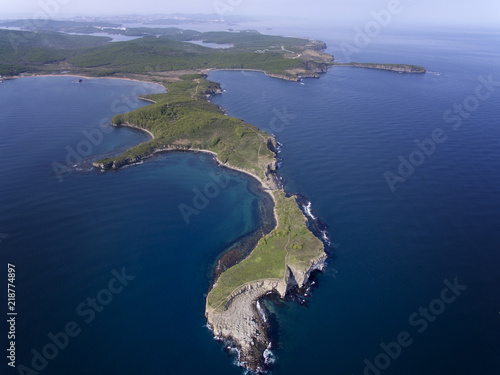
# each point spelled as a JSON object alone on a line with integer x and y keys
{"x": 308, "y": 212}
{"x": 235, "y": 351}
{"x": 261, "y": 311}
{"x": 269, "y": 356}
{"x": 325, "y": 237}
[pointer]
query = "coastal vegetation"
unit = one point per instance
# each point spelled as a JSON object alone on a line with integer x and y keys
{"x": 156, "y": 52}
{"x": 32, "y": 52}
{"x": 290, "y": 244}
{"x": 140, "y": 55}
{"x": 182, "y": 119}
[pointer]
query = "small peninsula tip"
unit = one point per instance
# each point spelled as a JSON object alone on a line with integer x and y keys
{"x": 399, "y": 68}
{"x": 282, "y": 261}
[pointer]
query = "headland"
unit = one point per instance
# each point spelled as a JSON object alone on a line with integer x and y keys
{"x": 184, "y": 120}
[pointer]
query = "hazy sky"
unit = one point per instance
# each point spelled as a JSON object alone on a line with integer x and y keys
{"x": 351, "y": 12}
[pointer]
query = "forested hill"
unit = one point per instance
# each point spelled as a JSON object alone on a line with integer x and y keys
{"x": 157, "y": 52}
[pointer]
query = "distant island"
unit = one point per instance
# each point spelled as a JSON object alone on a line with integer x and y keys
{"x": 184, "y": 120}
{"x": 399, "y": 68}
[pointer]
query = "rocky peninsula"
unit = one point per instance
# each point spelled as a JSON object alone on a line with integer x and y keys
{"x": 281, "y": 263}
{"x": 182, "y": 119}
{"x": 398, "y": 68}
{"x": 283, "y": 259}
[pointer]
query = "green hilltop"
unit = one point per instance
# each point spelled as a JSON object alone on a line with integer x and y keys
{"x": 182, "y": 119}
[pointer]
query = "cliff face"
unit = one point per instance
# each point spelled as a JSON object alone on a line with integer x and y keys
{"x": 316, "y": 67}
{"x": 301, "y": 276}
{"x": 240, "y": 321}
{"x": 213, "y": 89}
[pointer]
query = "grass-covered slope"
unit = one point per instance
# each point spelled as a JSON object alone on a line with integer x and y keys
{"x": 183, "y": 119}
{"x": 289, "y": 244}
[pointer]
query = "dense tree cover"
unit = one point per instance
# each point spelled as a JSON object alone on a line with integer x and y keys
{"x": 49, "y": 51}
{"x": 138, "y": 56}
{"x": 22, "y": 51}
{"x": 184, "y": 119}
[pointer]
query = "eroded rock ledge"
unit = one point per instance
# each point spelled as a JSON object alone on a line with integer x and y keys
{"x": 240, "y": 321}
{"x": 231, "y": 307}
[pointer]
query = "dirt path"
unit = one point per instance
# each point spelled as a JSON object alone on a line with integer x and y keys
{"x": 197, "y": 86}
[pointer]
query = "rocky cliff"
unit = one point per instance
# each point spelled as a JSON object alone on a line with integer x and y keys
{"x": 239, "y": 320}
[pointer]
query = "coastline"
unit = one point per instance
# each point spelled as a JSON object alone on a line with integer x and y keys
{"x": 126, "y": 125}
{"x": 278, "y": 76}
{"x": 146, "y": 99}
{"x": 206, "y": 71}
{"x": 88, "y": 77}
{"x": 266, "y": 187}
{"x": 239, "y": 319}
{"x": 397, "y": 68}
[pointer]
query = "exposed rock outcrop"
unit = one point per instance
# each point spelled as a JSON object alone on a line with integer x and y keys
{"x": 213, "y": 89}
{"x": 239, "y": 321}
{"x": 316, "y": 67}
{"x": 272, "y": 144}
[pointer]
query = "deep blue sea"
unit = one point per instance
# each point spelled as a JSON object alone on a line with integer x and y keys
{"x": 108, "y": 257}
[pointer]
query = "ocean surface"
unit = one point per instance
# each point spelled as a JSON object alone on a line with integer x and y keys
{"x": 109, "y": 257}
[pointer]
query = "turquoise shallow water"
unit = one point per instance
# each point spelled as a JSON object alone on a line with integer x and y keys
{"x": 340, "y": 134}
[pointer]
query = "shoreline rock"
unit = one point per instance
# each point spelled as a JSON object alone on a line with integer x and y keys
{"x": 240, "y": 321}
